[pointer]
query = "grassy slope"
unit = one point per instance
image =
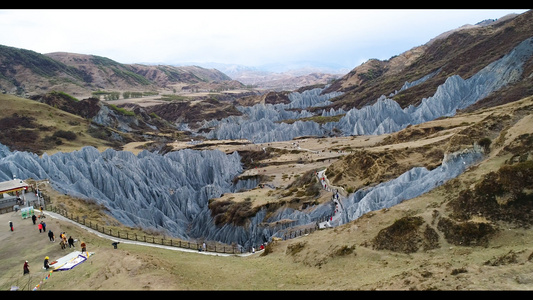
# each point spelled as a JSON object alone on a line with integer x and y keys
{"x": 49, "y": 120}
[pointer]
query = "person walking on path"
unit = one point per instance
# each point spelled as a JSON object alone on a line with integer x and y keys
{"x": 40, "y": 227}
{"x": 33, "y": 218}
{"x": 51, "y": 235}
{"x": 26, "y": 268}
{"x": 44, "y": 226}
{"x": 70, "y": 242}
{"x": 83, "y": 247}
{"x": 11, "y": 225}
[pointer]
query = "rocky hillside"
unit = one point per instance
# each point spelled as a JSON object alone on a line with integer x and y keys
{"x": 462, "y": 52}
{"x": 406, "y": 80}
{"x": 59, "y": 122}
{"x": 25, "y": 72}
{"x": 460, "y": 185}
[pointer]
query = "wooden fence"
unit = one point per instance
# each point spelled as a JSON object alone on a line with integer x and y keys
{"x": 210, "y": 247}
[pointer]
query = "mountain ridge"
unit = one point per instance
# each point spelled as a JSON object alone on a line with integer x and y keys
{"x": 25, "y": 72}
{"x": 462, "y": 51}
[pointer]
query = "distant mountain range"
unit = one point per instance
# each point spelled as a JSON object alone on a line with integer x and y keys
{"x": 295, "y": 68}
{"x": 276, "y": 77}
{"x": 26, "y": 73}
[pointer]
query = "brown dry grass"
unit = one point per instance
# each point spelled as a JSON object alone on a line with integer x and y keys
{"x": 48, "y": 120}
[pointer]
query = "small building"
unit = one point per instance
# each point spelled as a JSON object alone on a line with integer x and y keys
{"x": 11, "y": 191}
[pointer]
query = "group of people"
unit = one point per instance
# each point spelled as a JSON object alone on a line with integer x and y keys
{"x": 26, "y": 267}
{"x": 63, "y": 242}
{"x": 42, "y": 224}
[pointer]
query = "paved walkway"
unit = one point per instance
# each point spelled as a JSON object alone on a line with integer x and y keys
{"x": 336, "y": 196}
{"x": 125, "y": 241}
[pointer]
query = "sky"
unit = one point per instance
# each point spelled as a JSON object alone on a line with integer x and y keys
{"x": 249, "y": 37}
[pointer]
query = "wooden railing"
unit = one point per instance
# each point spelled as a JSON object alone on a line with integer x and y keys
{"x": 209, "y": 247}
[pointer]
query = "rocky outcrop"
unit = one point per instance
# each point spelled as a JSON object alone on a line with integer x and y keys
{"x": 387, "y": 116}
{"x": 171, "y": 192}
{"x": 150, "y": 190}
{"x": 410, "y": 184}
{"x": 264, "y": 123}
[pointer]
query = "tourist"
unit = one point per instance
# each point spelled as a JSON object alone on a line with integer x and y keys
{"x": 26, "y": 268}
{"x": 46, "y": 264}
{"x": 83, "y": 247}
{"x": 70, "y": 242}
{"x": 51, "y": 236}
{"x": 11, "y": 225}
{"x": 33, "y": 218}
{"x": 40, "y": 226}
{"x": 44, "y": 226}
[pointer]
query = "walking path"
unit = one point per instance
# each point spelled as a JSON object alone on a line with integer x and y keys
{"x": 125, "y": 241}
{"x": 336, "y": 197}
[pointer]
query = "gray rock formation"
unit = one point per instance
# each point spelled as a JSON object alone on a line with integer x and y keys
{"x": 261, "y": 123}
{"x": 410, "y": 184}
{"x": 455, "y": 93}
{"x": 167, "y": 192}
{"x": 171, "y": 192}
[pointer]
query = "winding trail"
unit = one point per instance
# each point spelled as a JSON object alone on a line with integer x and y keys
{"x": 336, "y": 196}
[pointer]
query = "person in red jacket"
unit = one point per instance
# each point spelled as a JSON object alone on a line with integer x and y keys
{"x": 26, "y": 268}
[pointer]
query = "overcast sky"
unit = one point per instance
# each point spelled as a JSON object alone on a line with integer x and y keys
{"x": 345, "y": 37}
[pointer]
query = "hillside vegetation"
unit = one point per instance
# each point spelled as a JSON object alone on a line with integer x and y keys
{"x": 26, "y": 73}
{"x": 59, "y": 122}
{"x": 472, "y": 232}
{"x": 28, "y": 125}
{"x": 428, "y": 243}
